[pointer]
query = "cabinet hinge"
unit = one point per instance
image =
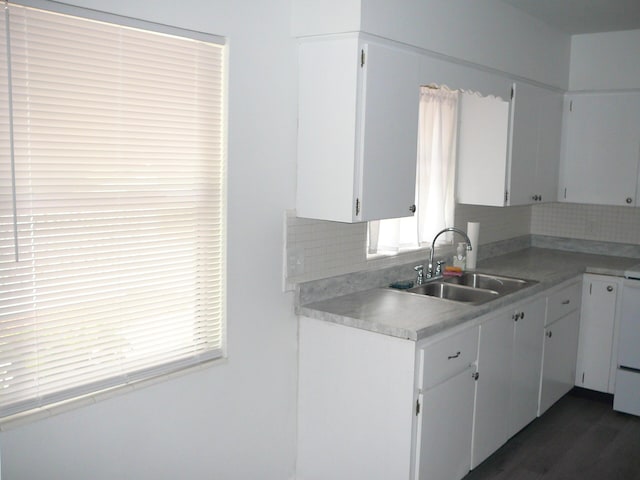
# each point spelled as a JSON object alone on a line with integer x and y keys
{"x": 417, "y": 407}
{"x": 583, "y": 378}
{"x": 513, "y": 92}
{"x": 506, "y": 196}
{"x": 357, "y": 207}
{"x": 362, "y": 58}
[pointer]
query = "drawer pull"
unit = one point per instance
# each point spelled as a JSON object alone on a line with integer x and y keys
{"x": 566, "y": 302}
{"x": 454, "y": 356}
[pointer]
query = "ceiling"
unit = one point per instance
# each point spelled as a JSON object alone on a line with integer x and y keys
{"x": 584, "y": 16}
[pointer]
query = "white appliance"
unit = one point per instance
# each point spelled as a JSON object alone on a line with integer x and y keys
{"x": 627, "y": 390}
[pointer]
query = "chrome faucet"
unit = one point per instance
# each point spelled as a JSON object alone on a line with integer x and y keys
{"x": 430, "y": 271}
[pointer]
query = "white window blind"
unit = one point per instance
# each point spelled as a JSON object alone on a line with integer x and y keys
{"x": 112, "y": 201}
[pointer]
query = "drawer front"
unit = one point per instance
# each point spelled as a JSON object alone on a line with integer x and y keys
{"x": 563, "y": 302}
{"x": 448, "y": 357}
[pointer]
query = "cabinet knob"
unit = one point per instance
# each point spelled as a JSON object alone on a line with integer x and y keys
{"x": 609, "y": 288}
{"x": 629, "y": 200}
{"x": 412, "y": 209}
{"x": 536, "y": 198}
{"x": 549, "y": 334}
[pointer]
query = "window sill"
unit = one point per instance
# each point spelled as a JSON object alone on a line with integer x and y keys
{"x": 24, "y": 418}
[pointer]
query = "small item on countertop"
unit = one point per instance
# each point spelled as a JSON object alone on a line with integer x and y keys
{"x": 452, "y": 271}
{"x": 460, "y": 258}
{"x": 403, "y": 285}
{"x": 452, "y": 274}
{"x": 473, "y": 230}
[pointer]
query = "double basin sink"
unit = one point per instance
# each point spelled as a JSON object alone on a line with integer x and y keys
{"x": 473, "y": 288}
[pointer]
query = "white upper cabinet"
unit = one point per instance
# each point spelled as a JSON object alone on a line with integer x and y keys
{"x": 508, "y": 154}
{"x": 357, "y": 129}
{"x": 601, "y": 149}
{"x": 536, "y": 134}
{"x": 482, "y": 150}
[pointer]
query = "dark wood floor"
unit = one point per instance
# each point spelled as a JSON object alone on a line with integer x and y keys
{"x": 579, "y": 438}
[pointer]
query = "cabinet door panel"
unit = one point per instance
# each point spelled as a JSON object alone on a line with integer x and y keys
{"x": 526, "y": 365}
{"x": 602, "y": 148}
{"x": 549, "y": 145}
{"x": 389, "y": 128}
{"x": 599, "y": 298}
{"x": 493, "y": 387}
{"x": 559, "y": 365}
{"x": 446, "y": 428}
{"x": 482, "y": 150}
{"x": 524, "y": 143}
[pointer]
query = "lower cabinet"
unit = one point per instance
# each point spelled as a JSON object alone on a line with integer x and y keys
{"x": 446, "y": 386}
{"x": 597, "y": 349}
{"x": 509, "y": 360}
{"x": 356, "y": 403}
{"x": 559, "y": 363}
{"x": 379, "y": 407}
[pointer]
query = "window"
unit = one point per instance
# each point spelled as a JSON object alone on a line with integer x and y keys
{"x": 112, "y": 205}
{"x": 435, "y": 177}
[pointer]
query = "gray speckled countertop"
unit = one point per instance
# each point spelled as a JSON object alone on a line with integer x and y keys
{"x": 416, "y": 317}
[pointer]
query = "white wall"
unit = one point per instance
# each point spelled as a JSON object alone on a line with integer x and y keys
{"x": 605, "y": 61}
{"x": 235, "y": 420}
{"x": 486, "y": 32}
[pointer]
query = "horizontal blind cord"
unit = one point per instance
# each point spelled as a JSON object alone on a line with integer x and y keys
{"x": 11, "y": 136}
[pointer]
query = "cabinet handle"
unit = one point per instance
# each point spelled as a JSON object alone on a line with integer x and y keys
{"x": 609, "y": 288}
{"x": 521, "y": 315}
{"x": 475, "y": 375}
{"x": 412, "y": 209}
{"x": 549, "y": 334}
{"x": 629, "y": 200}
{"x": 454, "y": 356}
{"x": 566, "y": 302}
{"x": 536, "y": 198}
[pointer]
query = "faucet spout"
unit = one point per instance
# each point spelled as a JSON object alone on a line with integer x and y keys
{"x": 433, "y": 246}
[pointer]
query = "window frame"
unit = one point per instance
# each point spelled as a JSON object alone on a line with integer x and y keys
{"x": 174, "y": 31}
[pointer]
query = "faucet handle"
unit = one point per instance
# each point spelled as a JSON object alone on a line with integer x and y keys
{"x": 439, "y": 264}
{"x": 420, "y": 274}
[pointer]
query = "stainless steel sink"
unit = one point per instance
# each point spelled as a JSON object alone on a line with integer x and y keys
{"x": 472, "y": 288}
{"x": 500, "y": 284}
{"x": 457, "y": 293}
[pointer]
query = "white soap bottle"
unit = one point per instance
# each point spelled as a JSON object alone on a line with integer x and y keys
{"x": 460, "y": 258}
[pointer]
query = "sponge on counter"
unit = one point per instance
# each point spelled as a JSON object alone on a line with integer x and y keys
{"x": 450, "y": 271}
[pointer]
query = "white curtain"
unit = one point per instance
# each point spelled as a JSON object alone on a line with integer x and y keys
{"x": 435, "y": 177}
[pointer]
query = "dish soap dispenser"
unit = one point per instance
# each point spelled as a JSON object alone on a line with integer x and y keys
{"x": 460, "y": 258}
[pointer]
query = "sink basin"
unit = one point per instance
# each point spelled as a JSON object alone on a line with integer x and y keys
{"x": 500, "y": 284}
{"x": 457, "y": 293}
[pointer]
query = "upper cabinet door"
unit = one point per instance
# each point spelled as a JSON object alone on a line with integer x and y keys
{"x": 482, "y": 150}
{"x": 602, "y": 149}
{"x": 524, "y": 144}
{"x": 357, "y": 129}
{"x": 549, "y": 146}
{"x": 389, "y": 131}
{"x": 508, "y": 153}
{"x": 536, "y": 129}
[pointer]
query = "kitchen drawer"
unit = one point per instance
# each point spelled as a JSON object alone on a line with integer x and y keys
{"x": 563, "y": 302}
{"x": 448, "y": 357}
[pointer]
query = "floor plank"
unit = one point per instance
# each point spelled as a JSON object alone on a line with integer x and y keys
{"x": 579, "y": 438}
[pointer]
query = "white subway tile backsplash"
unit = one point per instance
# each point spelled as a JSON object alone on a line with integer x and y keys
{"x": 331, "y": 248}
{"x": 587, "y": 222}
